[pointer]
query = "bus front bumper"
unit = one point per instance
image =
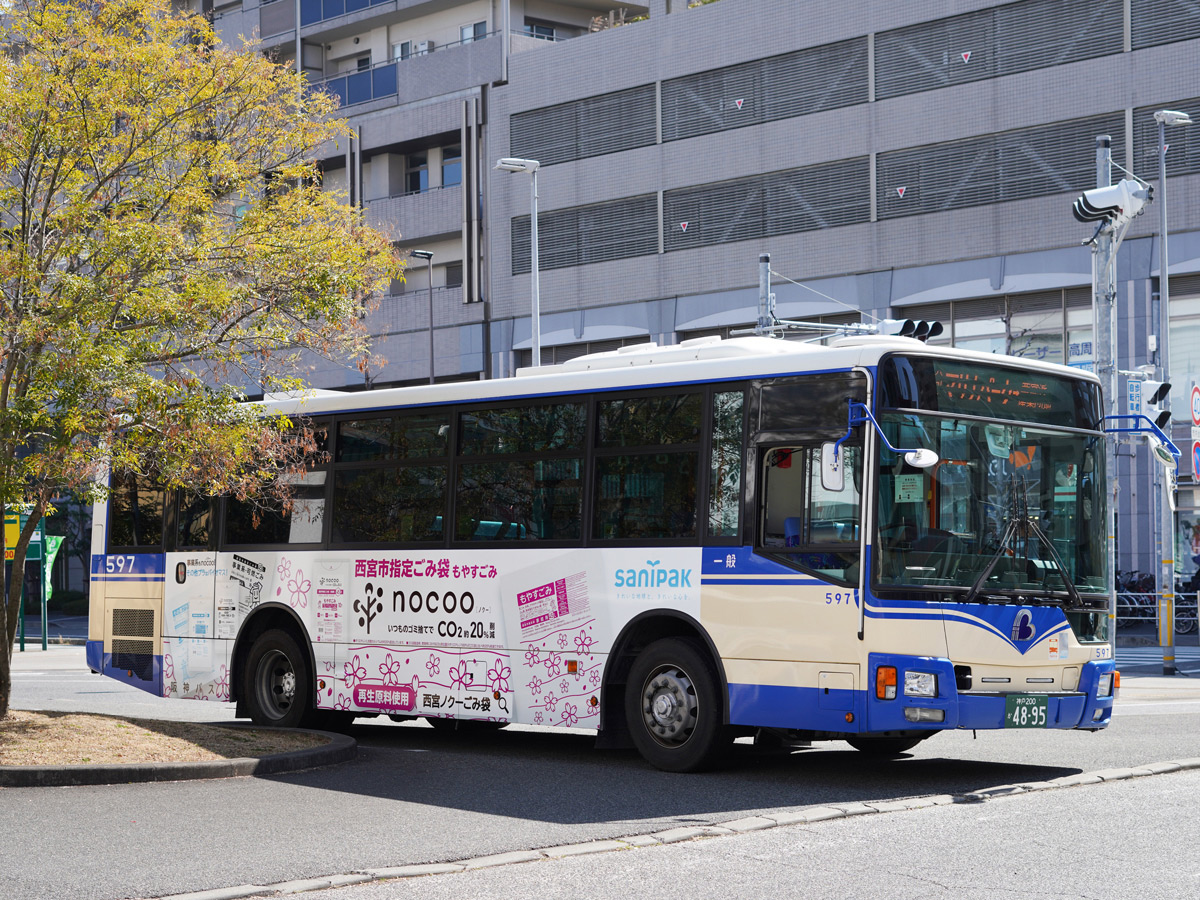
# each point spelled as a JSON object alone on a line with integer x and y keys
{"x": 970, "y": 709}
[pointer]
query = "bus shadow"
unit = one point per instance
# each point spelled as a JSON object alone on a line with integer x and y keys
{"x": 562, "y": 778}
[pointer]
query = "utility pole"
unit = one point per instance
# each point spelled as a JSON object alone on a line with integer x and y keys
{"x": 1104, "y": 319}
{"x": 1162, "y": 494}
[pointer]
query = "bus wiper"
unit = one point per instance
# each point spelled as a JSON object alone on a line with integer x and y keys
{"x": 1023, "y": 524}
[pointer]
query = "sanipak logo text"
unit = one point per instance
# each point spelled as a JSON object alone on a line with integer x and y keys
{"x": 653, "y": 576}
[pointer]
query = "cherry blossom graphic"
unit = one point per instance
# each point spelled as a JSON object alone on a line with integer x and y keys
{"x": 538, "y": 718}
{"x": 459, "y": 677}
{"x": 562, "y": 641}
{"x": 533, "y": 656}
{"x": 168, "y": 666}
{"x": 222, "y": 684}
{"x": 284, "y": 569}
{"x": 569, "y": 714}
{"x": 535, "y": 686}
{"x": 390, "y": 670}
{"x": 595, "y": 676}
{"x": 498, "y": 677}
{"x": 299, "y": 587}
{"x": 433, "y": 665}
{"x": 583, "y": 643}
{"x": 355, "y": 671}
{"x": 564, "y": 686}
{"x": 552, "y": 662}
{"x": 551, "y": 701}
{"x": 343, "y": 702}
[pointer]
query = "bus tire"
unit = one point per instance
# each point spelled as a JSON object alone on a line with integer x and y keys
{"x": 673, "y": 707}
{"x": 884, "y": 747}
{"x": 278, "y": 686}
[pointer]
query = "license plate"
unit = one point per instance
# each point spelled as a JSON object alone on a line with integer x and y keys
{"x": 1025, "y": 711}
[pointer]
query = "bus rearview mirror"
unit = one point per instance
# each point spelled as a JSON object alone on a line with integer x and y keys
{"x": 833, "y": 469}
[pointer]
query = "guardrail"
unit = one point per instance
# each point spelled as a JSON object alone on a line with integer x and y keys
{"x": 1141, "y": 608}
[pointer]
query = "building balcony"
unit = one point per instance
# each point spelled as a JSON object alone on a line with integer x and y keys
{"x": 418, "y": 216}
{"x": 409, "y": 310}
{"x": 449, "y": 68}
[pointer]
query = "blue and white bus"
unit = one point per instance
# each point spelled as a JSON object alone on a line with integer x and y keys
{"x": 871, "y": 541}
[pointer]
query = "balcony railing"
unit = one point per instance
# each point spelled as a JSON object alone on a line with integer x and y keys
{"x": 380, "y": 80}
{"x": 362, "y": 87}
{"x": 314, "y": 11}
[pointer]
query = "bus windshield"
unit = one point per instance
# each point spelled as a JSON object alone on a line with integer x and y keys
{"x": 1012, "y": 510}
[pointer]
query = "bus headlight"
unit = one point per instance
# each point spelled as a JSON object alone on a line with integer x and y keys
{"x": 1104, "y": 685}
{"x": 920, "y": 684}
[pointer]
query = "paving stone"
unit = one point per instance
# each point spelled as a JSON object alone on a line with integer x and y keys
{"x": 584, "y": 849}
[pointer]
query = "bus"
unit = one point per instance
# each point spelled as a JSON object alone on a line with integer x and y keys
{"x": 868, "y": 541}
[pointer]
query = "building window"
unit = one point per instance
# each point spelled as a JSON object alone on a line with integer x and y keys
{"x": 416, "y": 173}
{"x": 403, "y": 50}
{"x": 454, "y": 274}
{"x": 451, "y": 165}
{"x": 363, "y": 63}
{"x": 476, "y": 32}
{"x": 538, "y": 29}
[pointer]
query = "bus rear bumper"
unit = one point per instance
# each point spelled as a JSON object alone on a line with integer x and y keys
{"x": 143, "y": 671}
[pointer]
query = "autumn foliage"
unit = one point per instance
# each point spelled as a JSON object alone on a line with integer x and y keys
{"x": 166, "y": 248}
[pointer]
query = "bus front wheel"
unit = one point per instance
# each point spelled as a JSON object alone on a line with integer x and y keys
{"x": 278, "y": 686}
{"x": 673, "y": 707}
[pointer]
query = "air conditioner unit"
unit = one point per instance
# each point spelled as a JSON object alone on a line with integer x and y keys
{"x": 424, "y": 47}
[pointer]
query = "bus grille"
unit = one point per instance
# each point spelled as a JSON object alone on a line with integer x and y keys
{"x": 133, "y": 622}
{"x": 134, "y": 656}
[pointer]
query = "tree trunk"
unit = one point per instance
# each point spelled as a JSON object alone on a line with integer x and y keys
{"x": 11, "y": 606}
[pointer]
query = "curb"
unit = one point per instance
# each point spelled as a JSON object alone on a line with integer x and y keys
{"x": 340, "y": 748}
{"x": 746, "y": 825}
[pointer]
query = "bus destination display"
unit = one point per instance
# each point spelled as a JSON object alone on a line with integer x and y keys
{"x": 995, "y": 391}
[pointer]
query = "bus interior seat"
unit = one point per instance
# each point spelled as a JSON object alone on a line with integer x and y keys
{"x": 791, "y": 531}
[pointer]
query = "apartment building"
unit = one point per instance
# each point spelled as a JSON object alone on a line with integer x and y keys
{"x": 914, "y": 159}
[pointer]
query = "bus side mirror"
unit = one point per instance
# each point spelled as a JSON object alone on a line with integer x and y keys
{"x": 833, "y": 468}
{"x": 922, "y": 458}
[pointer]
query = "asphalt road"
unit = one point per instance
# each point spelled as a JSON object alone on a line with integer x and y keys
{"x": 1117, "y": 841}
{"x": 414, "y": 795}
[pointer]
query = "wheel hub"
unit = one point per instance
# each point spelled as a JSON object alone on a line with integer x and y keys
{"x": 669, "y": 706}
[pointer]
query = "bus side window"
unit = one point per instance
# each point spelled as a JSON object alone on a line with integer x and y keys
{"x": 193, "y": 521}
{"x": 806, "y": 524}
{"x": 135, "y": 512}
{"x": 725, "y": 484}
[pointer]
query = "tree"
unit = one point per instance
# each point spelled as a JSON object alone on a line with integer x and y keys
{"x": 164, "y": 240}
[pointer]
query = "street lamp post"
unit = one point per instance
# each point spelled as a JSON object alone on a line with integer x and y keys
{"x": 513, "y": 164}
{"x": 427, "y": 255}
{"x": 1165, "y": 117}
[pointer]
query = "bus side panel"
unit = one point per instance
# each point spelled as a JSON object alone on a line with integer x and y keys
{"x": 128, "y": 594}
{"x": 195, "y": 664}
{"x": 788, "y": 642}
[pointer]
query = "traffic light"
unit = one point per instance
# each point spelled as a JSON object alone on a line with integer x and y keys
{"x": 913, "y": 328}
{"x": 1118, "y": 203}
{"x": 1153, "y": 395}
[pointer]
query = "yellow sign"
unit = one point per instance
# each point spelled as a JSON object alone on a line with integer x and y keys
{"x": 12, "y": 531}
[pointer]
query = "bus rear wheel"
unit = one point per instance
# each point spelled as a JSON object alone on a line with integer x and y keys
{"x": 673, "y": 707}
{"x": 278, "y": 686}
